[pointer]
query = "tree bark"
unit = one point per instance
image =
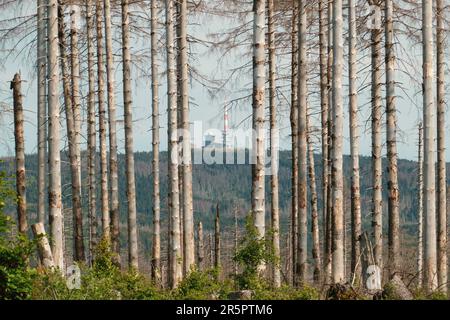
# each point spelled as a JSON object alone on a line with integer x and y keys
{"x": 258, "y": 150}
{"x": 429, "y": 114}
{"x": 324, "y": 99}
{"x": 356, "y": 269}
{"x": 377, "y": 200}
{"x": 338, "y": 203}
{"x": 78, "y": 244}
{"x": 129, "y": 151}
{"x": 91, "y": 131}
{"x": 106, "y": 230}
{"x": 54, "y": 162}
{"x": 42, "y": 107}
{"x": 186, "y": 165}
{"x": 294, "y": 138}
{"x": 274, "y": 148}
{"x": 442, "y": 177}
{"x": 43, "y": 246}
{"x": 113, "y": 169}
{"x": 420, "y": 210}
{"x": 16, "y": 86}
{"x": 301, "y": 268}
{"x": 176, "y": 264}
{"x": 391, "y": 136}
{"x": 156, "y": 246}
{"x": 314, "y": 211}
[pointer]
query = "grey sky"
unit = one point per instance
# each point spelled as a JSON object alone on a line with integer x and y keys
{"x": 209, "y": 110}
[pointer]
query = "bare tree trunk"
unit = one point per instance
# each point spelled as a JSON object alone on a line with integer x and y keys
{"x": 102, "y": 126}
{"x": 76, "y": 105}
{"x": 91, "y": 131}
{"x": 391, "y": 136}
{"x": 429, "y": 114}
{"x": 44, "y": 250}
{"x": 200, "y": 247}
{"x": 294, "y": 138}
{"x": 176, "y": 264}
{"x": 338, "y": 201}
{"x": 78, "y": 253}
{"x": 258, "y": 150}
{"x": 314, "y": 211}
{"x": 420, "y": 210}
{"x": 113, "y": 169}
{"x": 301, "y": 268}
{"x": 356, "y": 269}
{"x": 54, "y": 162}
{"x": 156, "y": 245}
{"x": 217, "y": 245}
{"x": 129, "y": 152}
{"x": 186, "y": 165}
{"x": 324, "y": 99}
{"x": 42, "y": 107}
{"x": 329, "y": 200}
{"x": 274, "y": 148}
{"x": 16, "y": 86}
{"x": 376, "y": 38}
{"x": 442, "y": 177}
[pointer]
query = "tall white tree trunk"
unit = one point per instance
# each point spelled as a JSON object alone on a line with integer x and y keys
{"x": 156, "y": 245}
{"x": 78, "y": 243}
{"x": 129, "y": 151}
{"x": 377, "y": 213}
{"x": 429, "y": 114}
{"x": 329, "y": 200}
{"x": 106, "y": 231}
{"x": 186, "y": 165}
{"x": 301, "y": 268}
{"x": 420, "y": 210}
{"x": 274, "y": 148}
{"x": 176, "y": 264}
{"x": 19, "y": 142}
{"x": 314, "y": 211}
{"x": 258, "y": 150}
{"x": 442, "y": 177}
{"x": 54, "y": 161}
{"x": 354, "y": 147}
{"x": 391, "y": 137}
{"x": 113, "y": 169}
{"x": 91, "y": 131}
{"x": 338, "y": 119}
{"x": 42, "y": 107}
{"x": 294, "y": 139}
{"x": 324, "y": 99}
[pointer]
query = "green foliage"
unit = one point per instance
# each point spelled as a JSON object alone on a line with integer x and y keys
{"x": 204, "y": 285}
{"x": 253, "y": 252}
{"x": 15, "y": 277}
{"x": 103, "y": 281}
{"x": 287, "y": 293}
{"x": 420, "y": 294}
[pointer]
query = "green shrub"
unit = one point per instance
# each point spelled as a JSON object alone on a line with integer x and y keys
{"x": 287, "y": 293}
{"x": 15, "y": 277}
{"x": 253, "y": 252}
{"x": 204, "y": 285}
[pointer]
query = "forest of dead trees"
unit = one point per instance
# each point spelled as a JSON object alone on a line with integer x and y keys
{"x": 76, "y": 65}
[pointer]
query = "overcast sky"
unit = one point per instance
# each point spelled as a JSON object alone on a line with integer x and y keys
{"x": 204, "y": 108}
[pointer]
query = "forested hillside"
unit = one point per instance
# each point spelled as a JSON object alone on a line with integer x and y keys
{"x": 228, "y": 186}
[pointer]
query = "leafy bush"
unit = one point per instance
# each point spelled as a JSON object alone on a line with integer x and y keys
{"x": 204, "y": 285}
{"x": 15, "y": 277}
{"x": 103, "y": 281}
{"x": 253, "y": 252}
